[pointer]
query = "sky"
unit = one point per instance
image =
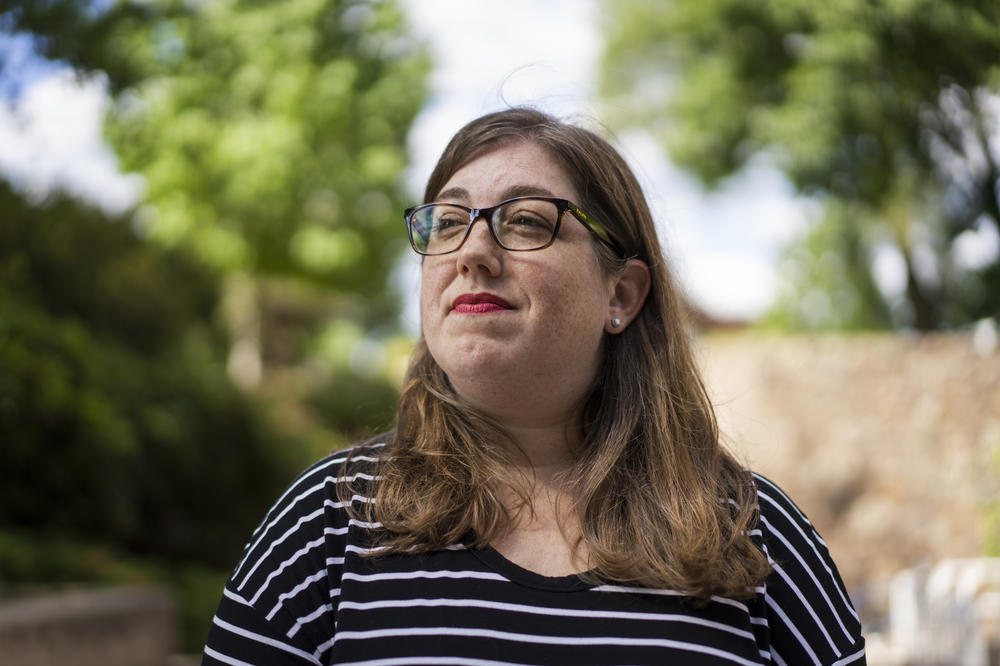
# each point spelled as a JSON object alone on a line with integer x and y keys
{"x": 724, "y": 245}
{"x": 487, "y": 56}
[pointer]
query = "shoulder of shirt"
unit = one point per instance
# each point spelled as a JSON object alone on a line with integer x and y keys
{"x": 306, "y": 504}
{"x": 774, "y": 503}
{"x": 805, "y": 584}
{"x": 347, "y": 462}
{"x": 781, "y": 520}
{"x": 316, "y": 486}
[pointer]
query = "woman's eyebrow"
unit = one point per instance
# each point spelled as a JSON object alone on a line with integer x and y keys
{"x": 526, "y": 191}
{"x": 461, "y": 194}
{"x": 453, "y": 194}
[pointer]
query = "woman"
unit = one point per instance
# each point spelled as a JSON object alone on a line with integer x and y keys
{"x": 555, "y": 490}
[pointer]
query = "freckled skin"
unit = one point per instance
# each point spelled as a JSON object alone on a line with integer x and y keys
{"x": 536, "y": 360}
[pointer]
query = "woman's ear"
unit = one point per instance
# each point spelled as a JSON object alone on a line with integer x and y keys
{"x": 629, "y": 293}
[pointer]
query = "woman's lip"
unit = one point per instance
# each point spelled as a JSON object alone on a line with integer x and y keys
{"x": 480, "y": 303}
{"x": 478, "y": 308}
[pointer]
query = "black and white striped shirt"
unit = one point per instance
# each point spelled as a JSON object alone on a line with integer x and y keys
{"x": 303, "y": 594}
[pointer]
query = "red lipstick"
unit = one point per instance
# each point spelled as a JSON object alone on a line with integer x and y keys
{"x": 480, "y": 303}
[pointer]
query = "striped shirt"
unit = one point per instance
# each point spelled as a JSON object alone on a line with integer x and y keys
{"x": 304, "y": 594}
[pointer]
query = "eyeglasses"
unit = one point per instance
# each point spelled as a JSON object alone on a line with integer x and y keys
{"x": 519, "y": 225}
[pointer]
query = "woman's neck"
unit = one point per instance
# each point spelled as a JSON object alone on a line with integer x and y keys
{"x": 544, "y": 535}
{"x": 549, "y": 448}
{"x": 544, "y": 422}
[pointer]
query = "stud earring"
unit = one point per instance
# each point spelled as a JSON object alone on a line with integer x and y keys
{"x": 615, "y": 322}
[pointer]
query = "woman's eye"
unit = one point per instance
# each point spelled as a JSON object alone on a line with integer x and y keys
{"x": 446, "y": 223}
{"x": 527, "y": 221}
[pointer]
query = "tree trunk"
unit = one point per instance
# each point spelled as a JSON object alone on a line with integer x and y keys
{"x": 925, "y": 314}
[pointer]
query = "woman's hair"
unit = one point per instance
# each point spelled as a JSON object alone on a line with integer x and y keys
{"x": 660, "y": 501}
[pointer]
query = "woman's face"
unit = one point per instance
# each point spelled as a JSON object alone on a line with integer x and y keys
{"x": 516, "y": 332}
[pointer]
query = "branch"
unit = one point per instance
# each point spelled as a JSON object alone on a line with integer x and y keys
{"x": 988, "y": 186}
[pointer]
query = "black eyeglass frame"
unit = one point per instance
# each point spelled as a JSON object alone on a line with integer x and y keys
{"x": 486, "y": 214}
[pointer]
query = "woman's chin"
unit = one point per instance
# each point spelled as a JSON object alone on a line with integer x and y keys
{"x": 483, "y": 364}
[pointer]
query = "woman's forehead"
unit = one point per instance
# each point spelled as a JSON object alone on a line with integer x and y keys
{"x": 459, "y": 194}
{"x": 508, "y": 170}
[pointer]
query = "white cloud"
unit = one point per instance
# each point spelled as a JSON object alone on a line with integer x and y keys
{"x": 731, "y": 285}
{"x": 723, "y": 243}
{"x": 977, "y": 248}
{"x": 489, "y": 56}
{"x": 889, "y": 270}
{"x": 50, "y": 138}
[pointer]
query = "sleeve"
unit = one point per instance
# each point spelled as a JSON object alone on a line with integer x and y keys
{"x": 810, "y": 617}
{"x": 279, "y": 605}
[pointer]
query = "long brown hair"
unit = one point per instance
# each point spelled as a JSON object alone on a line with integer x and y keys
{"x": 652, "y": 484}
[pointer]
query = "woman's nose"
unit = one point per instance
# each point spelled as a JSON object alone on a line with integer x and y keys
{"x": 480, "y": 252}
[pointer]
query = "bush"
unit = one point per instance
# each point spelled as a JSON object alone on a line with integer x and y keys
{"x": 120, "y": 422}
{"x": 157, "y": 454}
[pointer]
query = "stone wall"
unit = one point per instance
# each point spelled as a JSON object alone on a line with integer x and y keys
{"x": 106, "y": 627}
{"x": 890, "y": 444}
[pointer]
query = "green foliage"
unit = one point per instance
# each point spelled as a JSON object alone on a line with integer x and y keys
{"x": 882, "y": 107}
{"x": 70, "y": 260}
{"x": 28, "y": 557}
{"x": 73, "y": 31}
{"x": 371, "y": 410}
{"x": 991, "y": 514}
{"x": 828, "y": 285}
{"x": 197, "y": 588}
{"x": 270, "y": 136}
{"x": 119, "y": 420}
{"x": 128, "y": 456}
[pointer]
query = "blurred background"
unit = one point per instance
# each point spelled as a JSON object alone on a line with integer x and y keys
{"x": 205, "y": 283}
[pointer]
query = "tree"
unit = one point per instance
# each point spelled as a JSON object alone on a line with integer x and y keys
{"x": 128, "y": 455}
{"x": 886, "y": 110}
{"x": 271, "y": 135}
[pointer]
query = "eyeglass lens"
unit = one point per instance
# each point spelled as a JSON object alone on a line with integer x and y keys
{"x": 524, "y": 224}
